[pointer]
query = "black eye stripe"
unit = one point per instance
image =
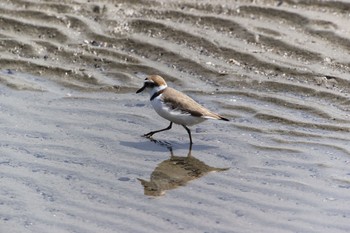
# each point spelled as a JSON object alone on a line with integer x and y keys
{"x": 149, "y": 84}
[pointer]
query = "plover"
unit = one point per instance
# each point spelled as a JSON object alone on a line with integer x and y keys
{"x": 175, "y": 106}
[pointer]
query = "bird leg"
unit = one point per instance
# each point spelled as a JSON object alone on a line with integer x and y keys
{"x": 189, "y": 154}
{"x": 189, "y": 134}
{"x": 157, "y": 131}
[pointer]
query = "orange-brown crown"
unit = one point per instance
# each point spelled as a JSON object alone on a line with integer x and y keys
{"x": 158, "y": 80}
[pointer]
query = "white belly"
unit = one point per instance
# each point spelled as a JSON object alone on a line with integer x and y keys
{"x": 177, "y": 117}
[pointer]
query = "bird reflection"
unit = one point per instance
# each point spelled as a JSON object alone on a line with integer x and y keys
{"x": 175, "y": 171}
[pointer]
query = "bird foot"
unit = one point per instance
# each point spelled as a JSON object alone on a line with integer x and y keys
{"x": 148, "y": 135}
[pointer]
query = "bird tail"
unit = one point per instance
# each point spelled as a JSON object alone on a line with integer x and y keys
{"x": 223, "y": 118}
{"x": 216, "y": 117}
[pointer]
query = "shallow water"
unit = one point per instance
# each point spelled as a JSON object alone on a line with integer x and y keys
{"x": 72, "y": 157}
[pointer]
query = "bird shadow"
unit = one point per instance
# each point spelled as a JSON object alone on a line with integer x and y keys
{"x": 175, "y": 171}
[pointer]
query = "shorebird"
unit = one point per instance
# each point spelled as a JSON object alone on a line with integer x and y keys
{"x": 175, "y": 106}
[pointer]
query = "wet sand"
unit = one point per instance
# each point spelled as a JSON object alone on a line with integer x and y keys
{"x": 72, "y": 158}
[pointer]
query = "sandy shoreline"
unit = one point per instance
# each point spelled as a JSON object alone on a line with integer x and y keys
{"x": 72, "y": 158}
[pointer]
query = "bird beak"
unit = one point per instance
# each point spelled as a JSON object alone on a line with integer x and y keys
{"x": 141, "y": 89}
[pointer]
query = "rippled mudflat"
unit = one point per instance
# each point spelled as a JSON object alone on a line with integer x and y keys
{"x": 72, "y": 158}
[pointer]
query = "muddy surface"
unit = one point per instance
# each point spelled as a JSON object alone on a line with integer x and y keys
{"x": 72, "y": 158}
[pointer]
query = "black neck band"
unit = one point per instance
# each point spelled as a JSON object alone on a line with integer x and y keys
{"x": 156, "y": 94}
